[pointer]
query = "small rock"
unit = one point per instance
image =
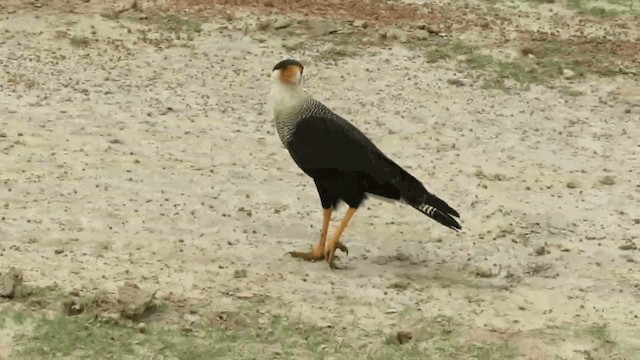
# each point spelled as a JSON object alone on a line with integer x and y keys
{"x": 629, "y": 246}
{"x": 142, "y": 328}
{"x": 568, "y": 74}
{"x": 404, "y": 337}
{"x": 397, "y": 34}
{"x": 133, "y": 300}
{"x": 421, "y": 34}
{"x": 240, "y": 273}
{"x": 607, "y": 180}
{"x": 263, "y": 25}
{"x": 109, "y": 318}
{"x": 527, "y": 52}
{"x": 401, "y": 257}
{"x": 541, "y": 250}
{"x": 400, "y": 285}
{"x": 244, "y": 295}
{"x": 166, "y": 110}
{"x": 360, "y": 23}
{"x": 191, "y": 318}
{"x": 282, "y": 24}
{"x": 325, "y": 325}
{"x": 10, "y": 282}
{"x": 430, "y": 29}
{"x": 187, "y": 329}
{"x": 572, "y": 184}
{"x": 58, "y": 251}
{"x": 73, "y": 307}
{"x": 539, "y": 269}
{"x": 456, "y": 82}
{"x": 483, "y": 272}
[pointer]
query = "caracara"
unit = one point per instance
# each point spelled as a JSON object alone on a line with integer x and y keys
{"x": 344, "y": 164}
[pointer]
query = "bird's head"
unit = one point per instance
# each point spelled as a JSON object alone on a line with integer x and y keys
{"x": 287, "y": 73}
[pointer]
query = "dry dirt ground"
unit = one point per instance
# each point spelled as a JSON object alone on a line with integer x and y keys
{"x": 136, "y": 144}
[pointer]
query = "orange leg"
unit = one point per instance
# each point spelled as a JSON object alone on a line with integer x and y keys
{"x": 334, "y": 243}
{"x": 317, "y": 253}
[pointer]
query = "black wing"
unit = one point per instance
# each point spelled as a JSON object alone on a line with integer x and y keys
{"x": 330, "y": 142}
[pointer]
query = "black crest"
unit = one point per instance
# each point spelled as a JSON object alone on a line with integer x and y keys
{"x": 285, "y": 63}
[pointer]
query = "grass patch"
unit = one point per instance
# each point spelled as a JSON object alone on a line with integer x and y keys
{"x": 587, "y": 7}
{"x": 236, "y": 335}
{"x": 439, "y": 338}
{"x": 448, "y": 51}
{"x": 534, "y": 2}
{"x": 249, "y": 332}
{"x": 599, "y": 332}
{"x": 495, "y": 72}
{"x": 86, "y": 336}
{"x": 596, "y": 339}
{"x": 242, "y": 334}
{"x": 178, "y": 24}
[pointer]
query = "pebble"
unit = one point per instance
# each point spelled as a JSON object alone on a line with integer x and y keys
{"x": 568, "y": 74}
{"x": 282, "y": 24}
{"x": 607, "y": 180}
{"x": 142, "y": 327}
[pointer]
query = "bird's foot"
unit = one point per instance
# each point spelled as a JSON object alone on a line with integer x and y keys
{"x": 317, "y": 253}
{"x": 330, "y": 252}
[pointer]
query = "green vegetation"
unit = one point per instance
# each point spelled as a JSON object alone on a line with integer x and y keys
{"x": 591, "y": 8}
{"x": 596, "y": 8}
{"x": 549, "y": 64}
{"x": 236, "y": 335}
{"x": 178, "y": 24}
{"x": 40, "y": 326}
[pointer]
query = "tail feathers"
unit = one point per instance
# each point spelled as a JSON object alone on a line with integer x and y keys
{"x": 434, "y": 201}
{"x": 444, "y": 218}
{"x": 414, "y": 193}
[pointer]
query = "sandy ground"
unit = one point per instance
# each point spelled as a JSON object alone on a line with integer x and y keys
{"x": 129, "y": 160}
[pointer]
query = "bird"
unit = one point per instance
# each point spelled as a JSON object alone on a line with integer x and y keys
{"x": 345, "y": 165}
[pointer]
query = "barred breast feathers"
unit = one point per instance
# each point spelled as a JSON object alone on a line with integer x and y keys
{"x": 289, "y": 104}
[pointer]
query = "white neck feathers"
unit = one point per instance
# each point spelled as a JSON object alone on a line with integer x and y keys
{"x": 284, "y": 97}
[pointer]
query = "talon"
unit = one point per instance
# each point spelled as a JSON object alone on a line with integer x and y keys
{"x": 313, "y": 255}
{"x": 343, "y": 248}
{"x": 327, "y": 249}
{"x": 330, "y": 253}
